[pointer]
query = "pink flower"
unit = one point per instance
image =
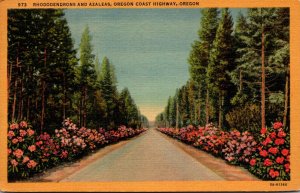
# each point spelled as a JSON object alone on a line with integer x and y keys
{"x": 18, "y": 153}
{"x": 277, "y": 125}
{"x": 273, "y": 150}
{"x": 285, "y": 152}
{"x": 263, "y": 153}
{"x": 273, "y": 135}
{"x": 267, "y": 141}
{"x": 23, "y": 124}
{"x": 64, "y": 154}
{"x": 25, "y": 159}
{"x": 30, "y": 132}
{"x": 253, "y": 162}
{"x": 22, "y": 132}
{"x": 279, "y": 160}
{"x": 273, "y": 173}
{"x": 31, "y": 164}
{"x": 32, "y": 148}
{"x": 281, "y": 134}
{"x": 14, "y": 126}
{"x": 11, "y": 134}
{"x": 263, "y": 131}
{"x": 15, "y": 140}
{"x": 279, "y": 141}
{"x": 8, "y": 151}
{"x": 20, "y": 139}
{"x": 287, "y": 167}
{"x": 14, "y": 162}
{"x": 268, "y": 162}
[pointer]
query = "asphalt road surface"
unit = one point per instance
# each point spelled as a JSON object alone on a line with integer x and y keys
{"x": 149, "y": 157}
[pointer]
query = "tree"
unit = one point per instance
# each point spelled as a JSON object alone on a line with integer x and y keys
{"x": 40, "y": 55}
{"x": 87, "y": 76}
{"x": 200, "y": 54}
{"x": 108, "y": 89}
{"x": 221, "y": 62}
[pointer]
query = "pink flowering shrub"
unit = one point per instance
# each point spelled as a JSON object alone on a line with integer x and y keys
{"x": 239, "y": 148}
{"x": 29, "y": 153}
{"x": 272, "y": 158}
{"x": 23, "y": 156}
{"x": 269, "y": 158}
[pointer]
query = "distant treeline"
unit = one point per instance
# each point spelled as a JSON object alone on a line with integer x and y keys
{"x": 239, "y": 74}
{"x": 48, "y": 83}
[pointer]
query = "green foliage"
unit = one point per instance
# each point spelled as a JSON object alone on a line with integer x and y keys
{"x": 245, "y": 118}
{"x": 46, "y": 81}
{"x": 225, "y": 71}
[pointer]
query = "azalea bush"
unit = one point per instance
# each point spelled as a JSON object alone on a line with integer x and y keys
{"x": 29, "y": 153}
{"x": 272, "y": 158}
{"x": 23, "y": 156}
{"x": 268, "y": 157}
{"x": 239, "y": 147}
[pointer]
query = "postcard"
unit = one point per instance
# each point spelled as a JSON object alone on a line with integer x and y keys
{"x": 109, "y": 96}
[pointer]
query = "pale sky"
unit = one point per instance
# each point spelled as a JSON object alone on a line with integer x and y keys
{"x": 148, "y": 47}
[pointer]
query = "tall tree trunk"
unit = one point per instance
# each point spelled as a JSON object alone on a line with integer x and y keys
{"x": 84, "y": 107}
{"x": 64, "y": 97}
{"x": 21, "y": 101}
{"x": 263, "y": 83}
{"x": 200, "y": 96}
{"x": 43, "y": 92}
{"x": 28, "y": 108}
{"x": 221, "y": 104}
{"x": 207, "y": 106}
{"x": 286, "y": 97}
{"x": 15, "y": 88}
{"x": 14, "y": 100}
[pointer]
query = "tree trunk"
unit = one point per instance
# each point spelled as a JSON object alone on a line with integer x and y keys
{"x": 207, "y": 106}
{"x": 84, "y": 107}
{"x": 200, "y": 96}
{"x": 286, "y": 98}
{"x": 28, "y": 108}
{"x": 221, "y": 104}
{"x": 43, "y": 92}
{"x": 263, "y": 83}
{"x": 64, "y": 97}
{"x": 14, "y": 101}
{"x": 21, "y": 103}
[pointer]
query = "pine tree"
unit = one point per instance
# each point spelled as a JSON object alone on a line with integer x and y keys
{"x": 108, "y": 89}
{"x": 87, "y": 76}
{"x": 200, "y": 54}
{"x": 221, "y": 62}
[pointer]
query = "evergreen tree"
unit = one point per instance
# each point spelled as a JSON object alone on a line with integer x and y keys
{"x": 221, "y": 62}
{"x": 108, "y": 89}
{"x": 200, "y": 55}
{"x": 87, "y": 77}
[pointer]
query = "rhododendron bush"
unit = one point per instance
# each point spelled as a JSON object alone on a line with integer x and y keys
{"x": 29, "y": 153}
{"x": 272, "y": 158}
{"x": 267, "y": 158}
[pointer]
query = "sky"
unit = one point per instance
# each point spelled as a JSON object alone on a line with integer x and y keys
{"x": 148, "y": 47}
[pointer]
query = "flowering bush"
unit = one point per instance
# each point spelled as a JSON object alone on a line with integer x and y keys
{"x": 29, "y": 153}
{"x": 268, "y": 158}
{"x": 239, "y": 148}
{"x": 272, "y": 158}
{"x": 23, "y": 157}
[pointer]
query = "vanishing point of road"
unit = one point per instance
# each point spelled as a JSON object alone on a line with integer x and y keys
{"x": 153, "y": 156}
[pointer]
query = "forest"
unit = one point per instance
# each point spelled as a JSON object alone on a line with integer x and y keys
{"x": 49, "y": 80}
{"x": 239, "y": 73}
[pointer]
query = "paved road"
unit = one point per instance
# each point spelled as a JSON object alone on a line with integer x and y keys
{"x": 150, "y": 157}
